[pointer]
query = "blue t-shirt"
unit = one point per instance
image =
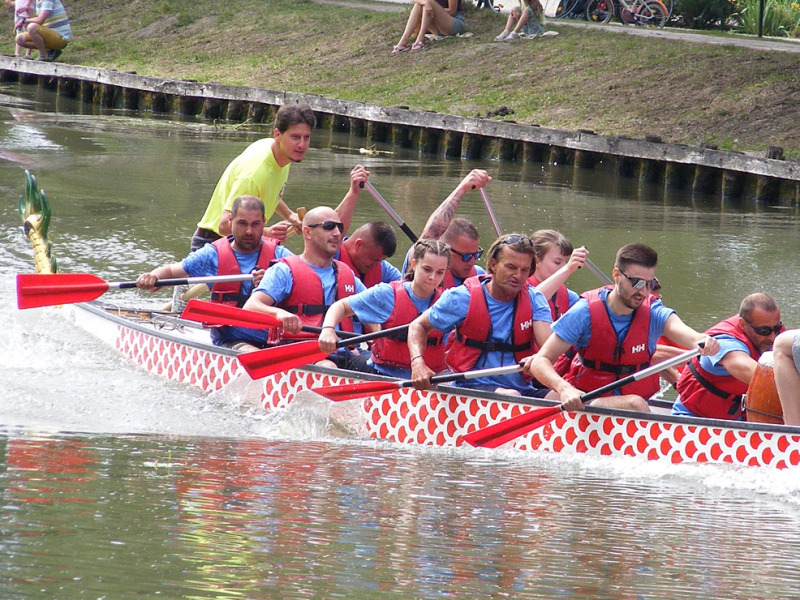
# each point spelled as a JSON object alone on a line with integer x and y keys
{"x": 727, "y": 344}
{"x": 204, "y": 262}
{"x": 375, "y": 305}
{"x": 574, "y": 326}
{"x": 451, "y": 310}
{"x": 278, "y": 282}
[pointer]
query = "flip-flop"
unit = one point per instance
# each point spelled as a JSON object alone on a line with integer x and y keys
{"x": 398, "y": 49}
{"x": 417, "y": 46}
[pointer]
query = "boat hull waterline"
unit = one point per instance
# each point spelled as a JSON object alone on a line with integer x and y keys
{"x": 441, "y": 417}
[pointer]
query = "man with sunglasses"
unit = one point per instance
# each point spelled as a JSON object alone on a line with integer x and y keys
{"x": 298, "y": 290}
{"x": 495, "y": 320}
{"x": 245, "y": 251}
{"x": 712, "y": 386}
{"x": 614, "y": 331}
{"x": 459, "y": 233}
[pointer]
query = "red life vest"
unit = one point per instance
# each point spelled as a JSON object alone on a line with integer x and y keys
{"x": 450, "y": 282}
{"x": 603, "y": 361}
{"x": 469, "y": 340}
{"x": 715, "y": 396}
{"x": 307, "y": 298}
{"x": 370, "y": 278}
{"x": 393, "y": 352}
{"x": 231, "y": 292}
{"x": 559, "y": 302}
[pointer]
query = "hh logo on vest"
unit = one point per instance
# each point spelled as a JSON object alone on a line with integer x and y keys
{"x": 639, "y": 348}
{"x": 525, "y": 325}
{"x": 350, "y": 289}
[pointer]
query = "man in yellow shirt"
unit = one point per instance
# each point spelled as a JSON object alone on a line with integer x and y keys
{"x": 260, "y": 171}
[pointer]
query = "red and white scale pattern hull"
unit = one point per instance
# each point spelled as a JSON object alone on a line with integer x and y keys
{"x": 441, "y": 418}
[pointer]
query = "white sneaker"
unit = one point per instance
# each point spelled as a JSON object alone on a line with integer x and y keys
{"x": 511, "y": 37}
{"x": 501, "y": 37}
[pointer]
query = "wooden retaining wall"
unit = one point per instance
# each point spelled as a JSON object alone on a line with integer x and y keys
{"x": 733, "y": 176}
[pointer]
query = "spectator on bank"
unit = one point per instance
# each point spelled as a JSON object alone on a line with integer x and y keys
{"x": 529, "y": 22}
{"x": 23, "y": 10}
{"x": 49, "y": 31}
{"x": 437, "y": 17}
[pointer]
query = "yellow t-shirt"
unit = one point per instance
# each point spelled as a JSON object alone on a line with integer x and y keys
{"x": 255, "y": 173}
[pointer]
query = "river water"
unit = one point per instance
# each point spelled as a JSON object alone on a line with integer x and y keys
{"x": 115, "y": 484}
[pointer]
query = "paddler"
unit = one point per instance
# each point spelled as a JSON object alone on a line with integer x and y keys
{"x": 712, "y": 386}
{"x": 495, "y": 318}
{"x": 244, "y": 251}
{"x": 394, "y": 304}
{"x": 457, "y": 232}
{"x": 298, "y": 290}
{"x": 786, "y": 365}
{"x": 614, "y": 330}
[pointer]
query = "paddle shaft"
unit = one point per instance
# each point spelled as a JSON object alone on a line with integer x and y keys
{"x": 339, "y": 393}
{"x": 639, "y": 375}
{"x": 357, "y": 339}
{"x": 492, "y": 215}
{"x": 123, "y": 285}
{"x": 509, "y": 429}
{"x": 390, "y": 211}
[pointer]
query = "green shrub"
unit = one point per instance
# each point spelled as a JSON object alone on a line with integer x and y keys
{"x": 781, "y": 17}
{"x": 704, "y": 14}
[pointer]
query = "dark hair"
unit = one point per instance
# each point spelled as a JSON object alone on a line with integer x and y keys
{"x": 423, "y": 247}
{"x": 293, "y": 114}
{"x": 636, "y": 254}
{"x": 513, "y": 241}
{"x": 757, "y": 300}
{"x": 248, "y": 203}
{"x": 546, "y": 239}
{"x": 460, "y": 226}
{"x": 383, "y": 235}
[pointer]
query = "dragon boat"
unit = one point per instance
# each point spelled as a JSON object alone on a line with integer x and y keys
{"x": 181, "y": 351}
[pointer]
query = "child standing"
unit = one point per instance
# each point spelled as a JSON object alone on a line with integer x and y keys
{"x": 529, "y": 22}
{"x": 23, "y": 9}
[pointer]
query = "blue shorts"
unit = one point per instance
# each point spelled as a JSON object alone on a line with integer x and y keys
{"x": 458, "y": 23}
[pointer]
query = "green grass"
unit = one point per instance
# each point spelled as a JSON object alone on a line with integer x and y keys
{"x": 610, "y": 83}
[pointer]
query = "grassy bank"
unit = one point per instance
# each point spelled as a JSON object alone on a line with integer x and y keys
{"x": 583, "y": 79}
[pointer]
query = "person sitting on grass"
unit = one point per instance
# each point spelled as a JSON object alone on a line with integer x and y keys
{"x": 439, "y": 17}
{"x": 48, "y": 32}
{"x": 530, "y": 23}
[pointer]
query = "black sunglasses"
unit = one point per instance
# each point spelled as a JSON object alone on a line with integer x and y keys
{"x": 468, "y": 256}
{"x": 764, "y": 330}
{"x": 516, "y": 238}
{"x": 328, "y": 226}
{"x": 638, "y": 283}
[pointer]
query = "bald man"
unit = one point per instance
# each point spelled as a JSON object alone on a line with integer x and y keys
{"x": 298, "y": 290}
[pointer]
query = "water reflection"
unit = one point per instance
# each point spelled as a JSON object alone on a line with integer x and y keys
{"x": 197, "y": 518}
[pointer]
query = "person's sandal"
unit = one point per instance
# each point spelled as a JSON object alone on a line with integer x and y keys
{"x": 417, "y": 46}
{"x": 398, "y": 49}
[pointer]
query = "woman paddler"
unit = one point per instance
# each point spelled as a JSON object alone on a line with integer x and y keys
{"x": 394, "y": 304}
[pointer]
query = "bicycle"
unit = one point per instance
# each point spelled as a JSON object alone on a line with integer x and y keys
{"x": 648, "y": 13}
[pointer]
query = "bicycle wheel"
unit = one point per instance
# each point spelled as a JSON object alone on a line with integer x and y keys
{"x": 651, "y": 13}
{"x": 599, "y": 11}
{"x": 566, "y": 8}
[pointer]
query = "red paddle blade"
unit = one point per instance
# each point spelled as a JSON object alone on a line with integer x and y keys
{"x": 510, "y": 429}
{"x": 213, "y": 313}
{"x": 60, "y": 288}
{"x": 338, "y": 393}
{"x": 262, "y": 363}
